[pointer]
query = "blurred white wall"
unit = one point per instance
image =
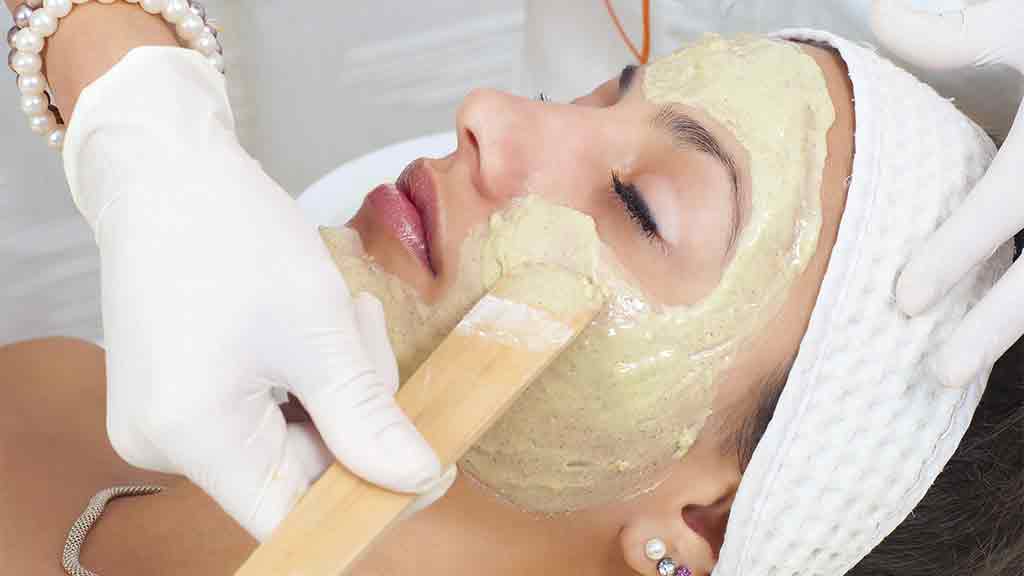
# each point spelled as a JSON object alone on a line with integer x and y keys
{"x": 317, "y": 91}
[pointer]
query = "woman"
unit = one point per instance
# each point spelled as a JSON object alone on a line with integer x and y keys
{"x": 502, "y": 141}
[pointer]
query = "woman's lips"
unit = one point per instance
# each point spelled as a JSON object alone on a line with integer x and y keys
{"x": 416, "y": 183}
{"x": 395, "y": 211}
{"x": 409, "y": 209}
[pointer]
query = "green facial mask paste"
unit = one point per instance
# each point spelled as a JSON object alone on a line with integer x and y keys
{"x": 608, "y": 418}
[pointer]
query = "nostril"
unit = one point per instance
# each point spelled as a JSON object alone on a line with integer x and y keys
{"x": 472, "y": 157}
{"x": 474, "y": 144}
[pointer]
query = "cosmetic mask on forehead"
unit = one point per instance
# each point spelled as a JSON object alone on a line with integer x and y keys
{"x": 607, "y": 419}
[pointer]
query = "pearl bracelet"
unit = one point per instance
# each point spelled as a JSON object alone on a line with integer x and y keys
{"x": 37, "y": 20}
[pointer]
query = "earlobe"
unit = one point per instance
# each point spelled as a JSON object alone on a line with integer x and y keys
{"x": 653, "y": 554}
{"x": 639, "y": 540}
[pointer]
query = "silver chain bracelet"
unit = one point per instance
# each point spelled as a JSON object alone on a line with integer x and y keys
{"x": 37, "y": 20}
{"x": 80, "y": 529}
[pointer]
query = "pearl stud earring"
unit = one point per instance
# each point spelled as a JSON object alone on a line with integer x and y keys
{"x": 655, "y": 550}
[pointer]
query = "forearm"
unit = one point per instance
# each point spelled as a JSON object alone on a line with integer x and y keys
{"x": 90, "y": 40}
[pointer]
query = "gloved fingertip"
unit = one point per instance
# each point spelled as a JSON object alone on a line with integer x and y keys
{"x": 278, "y": 499}
{"x": 437, "y": 487}
{"x": 408, "y": 464}
{"x": 304, "y": 460}
{"x": 309, "y": 450}
{"x": 910, "y": 298}
{"x": 432, "y": 493}
{"x": 370, "y": 305}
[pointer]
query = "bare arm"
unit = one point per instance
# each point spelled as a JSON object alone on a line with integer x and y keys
{"x": 91, "y": 40}
{"x": 53, "y": 419}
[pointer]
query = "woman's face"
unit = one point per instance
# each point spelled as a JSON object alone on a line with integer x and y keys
{"x": 658, "y": 201}
{"x": 694, "y": 215}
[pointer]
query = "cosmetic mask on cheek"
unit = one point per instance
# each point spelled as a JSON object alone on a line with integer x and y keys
{"x": 629, "y": 397}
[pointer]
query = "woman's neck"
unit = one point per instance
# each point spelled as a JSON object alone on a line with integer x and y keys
{"x": 468, "y": 532}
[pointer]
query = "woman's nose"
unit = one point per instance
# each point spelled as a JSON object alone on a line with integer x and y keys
{"x": 495, "y": 131}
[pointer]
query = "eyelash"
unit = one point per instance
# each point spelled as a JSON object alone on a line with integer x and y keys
{"x": 636, "y": 207}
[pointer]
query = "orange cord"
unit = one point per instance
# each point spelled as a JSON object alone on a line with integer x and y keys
{"x": 643, "y": 55}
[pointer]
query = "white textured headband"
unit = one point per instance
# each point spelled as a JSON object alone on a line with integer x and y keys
{"x": 862, "y": 428}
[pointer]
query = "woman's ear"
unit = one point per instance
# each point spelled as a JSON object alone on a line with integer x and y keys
{"x": 709, "y": 521}
{"x": 688, "y": 512}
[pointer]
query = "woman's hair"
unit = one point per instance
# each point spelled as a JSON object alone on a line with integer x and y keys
{"x": 971, "y": 520}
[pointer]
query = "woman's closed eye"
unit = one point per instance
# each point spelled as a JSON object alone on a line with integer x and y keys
{"x": 628, "y": 194}
{"x": 636, "y": 207}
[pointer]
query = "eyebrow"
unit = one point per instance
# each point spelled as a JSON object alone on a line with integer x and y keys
{"x": 688, "y": 134}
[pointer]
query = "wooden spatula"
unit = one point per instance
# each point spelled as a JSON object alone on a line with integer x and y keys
{"x": 476, "y": 373}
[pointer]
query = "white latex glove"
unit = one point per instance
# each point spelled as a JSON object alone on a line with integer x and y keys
{"x": 981, "y": 35}
{"x": 215, "y": 291}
